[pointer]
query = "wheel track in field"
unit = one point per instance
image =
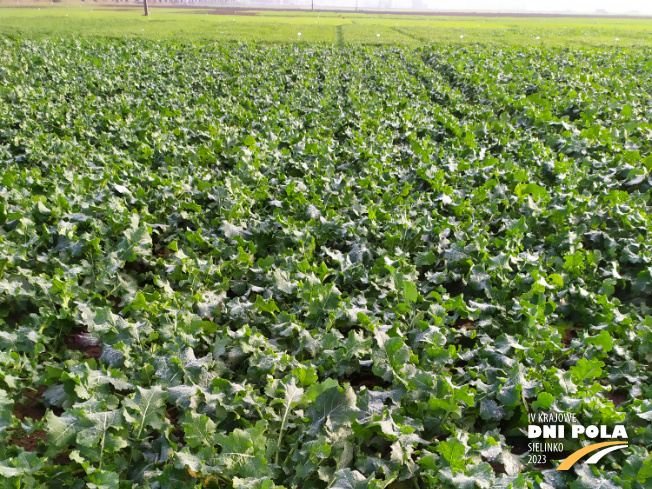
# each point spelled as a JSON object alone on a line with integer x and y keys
{"x": 406, "y": 34}
{"x": 339, "y": 37}
{"x": 471, "y": 96}
{"x": 434, "y": 93}
{"x": 462, "y": 109}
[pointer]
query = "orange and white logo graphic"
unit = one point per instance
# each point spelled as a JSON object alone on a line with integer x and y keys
{"x": 607, "y": 447}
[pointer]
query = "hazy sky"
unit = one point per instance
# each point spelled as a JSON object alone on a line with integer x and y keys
{"x": 640, "y": 7}
{"x": 588, "y": 6}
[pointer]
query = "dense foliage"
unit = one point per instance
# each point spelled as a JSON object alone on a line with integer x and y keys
{"x": 255, "y": 267}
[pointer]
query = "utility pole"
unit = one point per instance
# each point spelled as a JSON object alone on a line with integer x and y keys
{"x": 146, "y": 9}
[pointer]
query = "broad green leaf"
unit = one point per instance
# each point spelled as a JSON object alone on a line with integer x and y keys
{"x": 544, "y": 401}
{"x": 391, "y": 360}
{"x": 603, "y": 340}
{"x": 146, "y": 410}
{"x": 61, "y": 430}
{"x": 95, "y": 427}
{"x": 6, "y": 406}
{"x": 410, "y": 291}
{"x": 585, "y": 370}
{"x": 335, "y": 407}
{"x": 199, "y": 430}
{"x": 266, "y": 305}
{"x": 453, "y": 451}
